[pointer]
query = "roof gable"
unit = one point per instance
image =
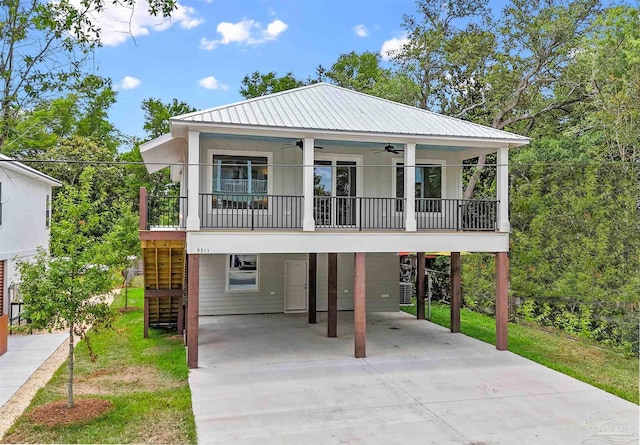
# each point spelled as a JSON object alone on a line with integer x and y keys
{"x": 327, "y": 107}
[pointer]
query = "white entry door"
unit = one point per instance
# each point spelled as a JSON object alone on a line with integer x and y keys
{"x": 295, "y": 286}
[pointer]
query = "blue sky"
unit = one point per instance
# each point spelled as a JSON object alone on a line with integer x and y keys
{"x": 202, "y": 55}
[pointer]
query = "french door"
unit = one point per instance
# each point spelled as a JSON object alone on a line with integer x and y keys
{"x": 335, "y": 190}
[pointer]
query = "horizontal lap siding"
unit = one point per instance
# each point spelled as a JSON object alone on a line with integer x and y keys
{"x": 382, "y": 278}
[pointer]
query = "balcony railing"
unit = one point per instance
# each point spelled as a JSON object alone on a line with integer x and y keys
{"x": 456, "y": 214}
{"x": 245, "y": 186}
{"x": 166, "y": 212}
{"x": 250, "y": 211}
{"x": 261, "y": 211}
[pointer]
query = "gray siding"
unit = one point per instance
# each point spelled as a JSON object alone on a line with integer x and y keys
{"x": 382, "y": 279}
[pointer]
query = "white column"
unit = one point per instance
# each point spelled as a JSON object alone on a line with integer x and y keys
{"x": 193, "y": 180}
{"x": 410, "y": 187}
{"x": 308, "y": 223}
{"x": 502, "y": 192}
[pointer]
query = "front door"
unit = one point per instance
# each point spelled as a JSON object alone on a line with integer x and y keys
{"x": 295, "y": 287}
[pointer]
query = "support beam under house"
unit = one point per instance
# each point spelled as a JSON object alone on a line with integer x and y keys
{"x": 502, "y": 300}
{"x": 332, "y": 315}
{"x": 359, "y": 305}
{"x": 456, "y": 292}
{"x": 193, "y": 304}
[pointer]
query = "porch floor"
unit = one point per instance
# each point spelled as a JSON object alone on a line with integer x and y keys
{"x": 276, "y": 379}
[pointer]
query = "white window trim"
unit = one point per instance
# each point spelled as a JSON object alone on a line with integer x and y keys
{"x": 441, "y": 162}
{"x": 262, "y": 154}
{"x": 226, "y": 275}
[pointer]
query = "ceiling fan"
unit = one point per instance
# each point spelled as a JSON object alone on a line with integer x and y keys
{"x": 391, "y": 149}
{"x": 300, "y": 145}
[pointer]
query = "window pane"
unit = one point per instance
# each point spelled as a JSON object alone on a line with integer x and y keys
{"x": 322, "y": 178}
{"x": 243, "y": 272}
{"x": 240, "y": 174}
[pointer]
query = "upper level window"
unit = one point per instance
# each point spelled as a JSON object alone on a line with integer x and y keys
{"x": 240, "y": 174}
{"x": 428, "y": 186}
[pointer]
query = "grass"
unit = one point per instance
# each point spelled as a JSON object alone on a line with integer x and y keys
{"x": 144, "y": 379}
{"x": 593, "y": 364}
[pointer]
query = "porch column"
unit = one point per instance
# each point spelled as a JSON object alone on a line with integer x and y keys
{"x": 410, "y": 187}
{"x": 308, "y": 223}
{"x": 193, "y": 180}
{"x": 311, "y": 282}
{"x": 456, "y": 292}
{"x": 502, "y": 189}
{"x": 420, "y": 286}
{"x": 502, "y": 303}
{"x": 193, "y": 305}
{"x": 359, "y": 305}
{"x": 332, "y": 294}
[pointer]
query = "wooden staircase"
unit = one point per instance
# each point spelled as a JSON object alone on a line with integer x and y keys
{"x": 164, "y": 282}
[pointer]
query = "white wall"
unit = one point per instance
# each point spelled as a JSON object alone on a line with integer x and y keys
{"x": 382, "y": 272}
{"x": 23, "y": 227}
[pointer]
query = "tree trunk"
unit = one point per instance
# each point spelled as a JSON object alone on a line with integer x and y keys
{"x": 70, "y": 365}
{"x": 468, "y": 193}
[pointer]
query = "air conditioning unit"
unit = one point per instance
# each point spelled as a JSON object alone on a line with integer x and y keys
{"x": 406, "y": 292}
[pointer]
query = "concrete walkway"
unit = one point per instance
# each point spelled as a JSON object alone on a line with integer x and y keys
{"x": 24, "y": 356}
{"x": 276, "y": 379}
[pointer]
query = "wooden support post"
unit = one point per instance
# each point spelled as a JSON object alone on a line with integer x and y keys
{"x": 4, "y": 333}
{"x": 359, "y": 305}
{"x": 193, "y": 297}
{"x": 332, "y": 316}
{"x": 502, "y": 303}
{"x": 143, "y": 208}
{"x": 456, "y": 293}
{"x": 145, "y": 331}
{"x": 420, "y": 285}
{"x": 312, "y": 288}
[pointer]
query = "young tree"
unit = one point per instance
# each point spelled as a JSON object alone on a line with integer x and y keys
{"x": 63, "y": 289}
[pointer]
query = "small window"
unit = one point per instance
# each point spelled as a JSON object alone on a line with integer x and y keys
{"x": 242, "y": 272}
{"x": 47, "y": 214}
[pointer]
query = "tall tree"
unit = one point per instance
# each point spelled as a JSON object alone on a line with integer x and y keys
{"x": 157, "y": 115}
{"x": 258, "y": 84}
{"x": 43, "y": 47}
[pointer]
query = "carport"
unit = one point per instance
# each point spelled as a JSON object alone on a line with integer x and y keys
{"x": 277, "y": 379}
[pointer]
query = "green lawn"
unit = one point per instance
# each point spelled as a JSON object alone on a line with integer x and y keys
{"x": 145, "y": 380}
{"x": 593, "y": 364}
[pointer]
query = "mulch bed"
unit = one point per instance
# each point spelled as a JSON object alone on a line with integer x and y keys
{"x": 57, "y": 413}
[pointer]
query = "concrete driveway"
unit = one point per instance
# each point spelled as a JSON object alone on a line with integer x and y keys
{"x": 276, "y": 379}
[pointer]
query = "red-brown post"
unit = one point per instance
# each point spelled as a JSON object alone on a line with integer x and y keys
{"x": 143, "y": 208}
{"x": 193, "y": 297}
{"x": 146, "y": 315}
{"x": 311, "y": 283}
{"x": 420, "y": 285}
{"x": 502, "y": 301}
{"x": 359, "y": 305}
{"x": 4, "y": 333}
{"x": 332, "y": 294}
{"x": 456, "y": 292}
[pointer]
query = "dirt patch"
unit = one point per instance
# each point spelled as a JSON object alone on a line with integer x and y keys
{"x": 57, "y": 413}
{"x": 122, "y": 380}
{"x": 128, "y": 309}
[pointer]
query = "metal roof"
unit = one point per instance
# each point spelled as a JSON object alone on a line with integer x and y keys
{"x": 327, "y": 107}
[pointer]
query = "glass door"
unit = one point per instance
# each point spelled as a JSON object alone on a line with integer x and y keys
{"x": 335, "y": 193}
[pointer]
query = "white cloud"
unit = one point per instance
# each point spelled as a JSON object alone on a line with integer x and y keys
{"x": 211, "y": 83}
{"x": 361, "y": 30}
{"x": 391, "y": 47}
{"x": 117, "y": 23}
{"x": 129, "y": 83}
{"x": 248, "y": 32}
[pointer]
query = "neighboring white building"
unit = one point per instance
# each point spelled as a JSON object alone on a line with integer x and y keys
{"x": 25, "y": 215}
{"x": 289, "y": 198}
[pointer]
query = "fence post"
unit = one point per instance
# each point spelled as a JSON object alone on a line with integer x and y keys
{"x": 143, "y": 208}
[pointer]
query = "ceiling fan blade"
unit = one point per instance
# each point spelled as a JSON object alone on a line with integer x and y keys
{"x": 300, "y": 145}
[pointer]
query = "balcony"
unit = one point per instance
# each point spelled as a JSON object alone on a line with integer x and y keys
{"x": 285, "y": 212}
